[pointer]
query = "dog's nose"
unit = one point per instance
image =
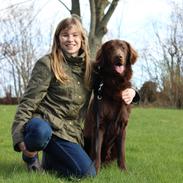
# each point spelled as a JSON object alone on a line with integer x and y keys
{"x": 119, "y": 60}
{"x": 120, "y": 57}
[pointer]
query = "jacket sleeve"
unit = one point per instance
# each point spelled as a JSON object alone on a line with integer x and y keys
{"x": 136, "y": 99}
{"x": 35, "y": 92}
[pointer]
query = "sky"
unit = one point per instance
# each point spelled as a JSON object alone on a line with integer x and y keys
{"x": 133, "y": 16}
{"x": 132, "y": 20}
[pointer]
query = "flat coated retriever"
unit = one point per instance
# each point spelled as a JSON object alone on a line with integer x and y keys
{"x": 108, "y": 114}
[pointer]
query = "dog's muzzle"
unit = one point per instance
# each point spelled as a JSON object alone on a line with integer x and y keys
{"x": 119, "y": 65}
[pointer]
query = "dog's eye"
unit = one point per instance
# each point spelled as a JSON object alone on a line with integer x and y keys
{"x": 122, "y": 46}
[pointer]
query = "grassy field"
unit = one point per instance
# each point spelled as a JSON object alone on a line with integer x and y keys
{"x": 154, "y": 151}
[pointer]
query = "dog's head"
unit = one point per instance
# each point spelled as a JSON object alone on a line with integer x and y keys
{"x": 116, "y": 56}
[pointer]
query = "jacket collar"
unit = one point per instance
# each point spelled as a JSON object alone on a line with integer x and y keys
{"x": 75, "y": 61}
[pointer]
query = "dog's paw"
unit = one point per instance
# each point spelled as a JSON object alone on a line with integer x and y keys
{"x": 97, "y": 167}
{"x": 123, "y": 167}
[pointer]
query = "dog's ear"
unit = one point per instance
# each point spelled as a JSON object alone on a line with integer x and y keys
{"x": 132, "y": 54}
{"x": 99, "y": 63}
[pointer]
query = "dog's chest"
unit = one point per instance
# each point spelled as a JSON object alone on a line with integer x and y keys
{"x": 113, "y": 114}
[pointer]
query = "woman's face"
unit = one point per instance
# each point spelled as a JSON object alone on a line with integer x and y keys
{"x": 70, "y": 41}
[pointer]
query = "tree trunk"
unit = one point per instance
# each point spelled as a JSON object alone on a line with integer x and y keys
{"x": 94, "y": 43}
{"x": 75, "y": 9}
{"x": 98, "y": 20}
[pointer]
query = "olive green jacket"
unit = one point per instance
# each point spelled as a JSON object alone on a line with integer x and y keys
{"x": 59, "y": 104}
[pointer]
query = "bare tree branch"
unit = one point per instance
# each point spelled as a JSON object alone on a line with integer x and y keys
{"x": 16, "y": 4}
{"x": 93, "y": 18}
{"x": 108, "y": 15}
{"x": 65, "y": 6}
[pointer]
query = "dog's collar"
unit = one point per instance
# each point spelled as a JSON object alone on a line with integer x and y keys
{"x": 99, "y": 92}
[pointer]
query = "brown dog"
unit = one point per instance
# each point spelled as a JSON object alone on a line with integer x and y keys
{"x": 108, "y": 114}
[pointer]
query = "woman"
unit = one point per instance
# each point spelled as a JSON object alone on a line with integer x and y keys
{"x": 49, "y": 116}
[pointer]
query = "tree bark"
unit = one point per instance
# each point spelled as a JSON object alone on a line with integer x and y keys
{"x": 75, "y": 9}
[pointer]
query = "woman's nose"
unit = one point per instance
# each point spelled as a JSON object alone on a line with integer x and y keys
{"x": 70, "y": 38}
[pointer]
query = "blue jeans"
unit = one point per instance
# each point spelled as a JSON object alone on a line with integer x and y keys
{"x": 62, "y": 156}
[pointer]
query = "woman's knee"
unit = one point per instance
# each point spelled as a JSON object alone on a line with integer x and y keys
{"x": 37, "y": 134}
{"x": 90, "y": 172}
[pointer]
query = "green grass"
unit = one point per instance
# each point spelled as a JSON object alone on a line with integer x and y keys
{"x": 154, "y": 151}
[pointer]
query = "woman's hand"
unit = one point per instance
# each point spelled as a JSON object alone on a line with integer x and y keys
{"x": 128, "y": 95}
{"x": 27, "y": 153}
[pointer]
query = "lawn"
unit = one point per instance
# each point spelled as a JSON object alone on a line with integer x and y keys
{"x": 154, "y": 151}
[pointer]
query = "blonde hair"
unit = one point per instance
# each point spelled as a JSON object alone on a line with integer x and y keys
{"x": 57, "y": 54}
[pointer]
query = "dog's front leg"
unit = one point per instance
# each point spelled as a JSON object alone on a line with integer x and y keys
{"x": 99, "y": 148}
{"x": 121, "y": 149}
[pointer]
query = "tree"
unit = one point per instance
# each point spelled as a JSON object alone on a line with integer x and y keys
{"x": 148, "y": 92}
{"x": 167, "y": 60}
{"x": 19, "y": 43}
{"x": 100, "y": 13}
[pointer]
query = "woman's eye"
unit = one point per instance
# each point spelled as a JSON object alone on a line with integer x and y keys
{"x": 64, "y": 35}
